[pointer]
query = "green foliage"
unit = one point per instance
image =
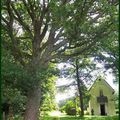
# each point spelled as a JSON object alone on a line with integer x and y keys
{"x": 14, "y": 97}
{"x": 11, "y": 75}
{"x": 116, "y": 101}
{"x": 86, "y": 113}
{"x": 80, "y": 28}
{"x": 16, "y": 79}
{"x": 25, "y": 27}
{"x": 16, "y": 74}
{"x": 48, "y": 89}
{"x": 71, "y": 108}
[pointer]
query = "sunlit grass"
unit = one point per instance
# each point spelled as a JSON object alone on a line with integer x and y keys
{"x": 78, "y": 118}
{"x": 57, "y": 115}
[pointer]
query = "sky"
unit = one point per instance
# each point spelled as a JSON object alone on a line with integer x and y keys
{"x": 71, "y": 92}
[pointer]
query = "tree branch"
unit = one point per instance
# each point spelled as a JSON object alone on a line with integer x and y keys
{"x": 14, "y": 46}
{"x": 20, "y": 20}
{"x": 30, "y": 12}
{"x": 84, "y": 49}
{"x": 56, "y": 47}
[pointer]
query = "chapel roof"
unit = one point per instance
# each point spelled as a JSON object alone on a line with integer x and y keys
{"x": 104, "y": 81}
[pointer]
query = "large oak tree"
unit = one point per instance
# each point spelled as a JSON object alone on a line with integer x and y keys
{"x": 38, "y": 32}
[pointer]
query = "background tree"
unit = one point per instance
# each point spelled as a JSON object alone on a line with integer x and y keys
{"x": 49, "y": 90}
{"x": 80, "y": 70}
{"x": 108, "y": 52}
{"x": 39, "y": 32}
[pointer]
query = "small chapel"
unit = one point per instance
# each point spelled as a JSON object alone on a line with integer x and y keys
{"x": 102, "y": 98}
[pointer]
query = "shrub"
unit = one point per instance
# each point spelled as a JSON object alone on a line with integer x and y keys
{"x": 62, "y": 109}
{"x": 86, "y": 112}
{"x": 70, "y": 108}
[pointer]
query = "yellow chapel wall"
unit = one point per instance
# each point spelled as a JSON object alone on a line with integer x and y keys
{"x": 107, "y": 91}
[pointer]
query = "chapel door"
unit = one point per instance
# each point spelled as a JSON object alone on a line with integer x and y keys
{"x": 102, "y": 109}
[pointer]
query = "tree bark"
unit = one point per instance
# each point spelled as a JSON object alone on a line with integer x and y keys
{"x": 33, "y": 104}
{"x": 79, "y": 84}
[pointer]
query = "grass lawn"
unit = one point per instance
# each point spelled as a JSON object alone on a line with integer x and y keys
{"x": 85, "y": 118}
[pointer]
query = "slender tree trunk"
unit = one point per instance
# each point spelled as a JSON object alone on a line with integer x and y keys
{"x": 33, "y": 104}
{"x": 79, "y": 84}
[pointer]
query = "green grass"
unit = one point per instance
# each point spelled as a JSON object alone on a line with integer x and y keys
{"x": 84, "y": 118}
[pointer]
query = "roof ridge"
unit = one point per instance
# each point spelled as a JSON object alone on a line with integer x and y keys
{"x": 101, "y": 79}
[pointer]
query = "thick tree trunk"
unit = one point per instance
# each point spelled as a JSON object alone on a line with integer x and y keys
{"x": 33, "y": 104}
{"x": 79, "y": 90}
